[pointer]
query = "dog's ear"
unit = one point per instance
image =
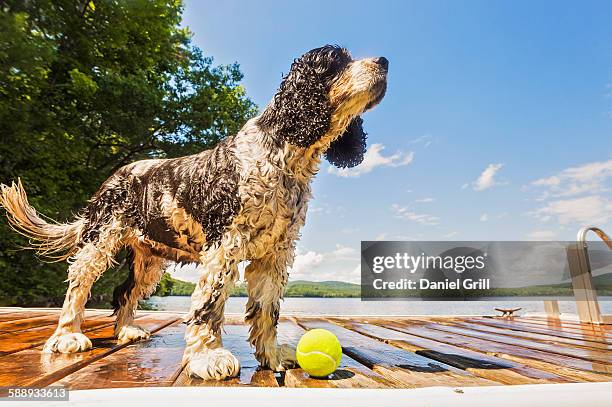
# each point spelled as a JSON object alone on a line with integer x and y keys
{"x": 300, "y": 112}
{"x": 348, "y": 150}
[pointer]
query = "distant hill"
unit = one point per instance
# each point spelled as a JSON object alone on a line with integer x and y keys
{"x": 603, "y": 281}
{"x": 338, "y": 289}
{"x": 300, "y": 288}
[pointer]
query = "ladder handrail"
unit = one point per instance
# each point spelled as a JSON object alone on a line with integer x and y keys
{"x": 582, "y": 233}
{"x": 585, "y": 293}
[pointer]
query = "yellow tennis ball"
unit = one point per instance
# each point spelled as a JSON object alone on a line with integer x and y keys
{"x": 319, "y": 352}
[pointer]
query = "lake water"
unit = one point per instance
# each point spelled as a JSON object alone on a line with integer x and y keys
{"x": 354, "y": 306}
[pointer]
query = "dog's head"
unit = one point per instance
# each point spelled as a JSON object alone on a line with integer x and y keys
{"x": 320, "y": 100}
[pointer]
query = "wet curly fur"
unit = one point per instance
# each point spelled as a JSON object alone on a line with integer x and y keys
{"x": 301, "y": 110}
{"x": 245, "y": 199}
{"x": 347, "y": 151}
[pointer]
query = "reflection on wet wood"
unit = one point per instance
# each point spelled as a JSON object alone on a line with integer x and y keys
{"x": 9, "y": 327}
{"x": 511, "y": 325}
{"x": 403, "y": 352}
{"x": 12, "y": 316}
{"x": 146, "y": 363}
{"x": 596, "y": 331}
{"x": 235, "y": 340}
{"x": 535, "y": 336}
{"x": 350, "y": 373}
{"x": 33, "y": 368}
{"x": 480, "y": 364}
{"x": 32, "y": 337}
{"x": 394, "y": 363}
{"x": 574, "y": 369}
{"x": 586, "y": 354}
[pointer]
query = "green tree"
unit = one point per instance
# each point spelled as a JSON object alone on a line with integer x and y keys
{"x": 165, "y": 286}
{"x": 86, "y": 87}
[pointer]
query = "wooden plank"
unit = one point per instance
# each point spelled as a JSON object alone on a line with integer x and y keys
{"x": 572, "y": 343}
{"x": 513, "y": 325}
{"x": 235, "y": 340}
{"x": 581, "y": 326}
{"x": 10, "y": 327}
{"x": 154, "y": 362}
{"x": 586, "y": 354}
{"x": 589, "y": 334}
{"x": 575, "y": 369}
{"x": 30, "y": 338}
{"x": 589, "y": 329}
{"x": 350, "y": 373}
{"x": 11, "y": 316}
{"x": 405, "y": 369}
{"x": 33, "y": 368}
{"x": 569, "y": 323}
{"x": 486, "y": 366}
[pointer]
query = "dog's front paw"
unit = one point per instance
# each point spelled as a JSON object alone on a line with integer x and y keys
{"x": 67, "y": 343}
{"x": 131, "y": 333}
{"x": 280, "y": 358}
{"x": 215, "y": 364}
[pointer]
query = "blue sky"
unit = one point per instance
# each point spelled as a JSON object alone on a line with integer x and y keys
{"x": 497, "y": 124}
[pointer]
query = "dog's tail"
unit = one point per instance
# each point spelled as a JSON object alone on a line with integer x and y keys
{"x": 53, "y": 240}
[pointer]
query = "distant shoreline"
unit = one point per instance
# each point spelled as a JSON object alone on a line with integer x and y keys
{"x": 295, "y": 289}
{"x": 339, "y": 289}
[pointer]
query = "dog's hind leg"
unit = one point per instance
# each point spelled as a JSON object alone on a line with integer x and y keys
{"x": 87, "y": 265}
{"x": 204, "y": 355}
{"x": 266, "y": 280}
{"x": 145, "y": 272}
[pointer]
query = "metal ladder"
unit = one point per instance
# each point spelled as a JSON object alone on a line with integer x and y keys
{"x": 585, "y": 294}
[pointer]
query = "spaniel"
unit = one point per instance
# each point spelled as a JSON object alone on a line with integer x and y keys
{"x": 244, "y": 199}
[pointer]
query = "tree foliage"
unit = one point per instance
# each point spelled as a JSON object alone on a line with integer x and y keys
{"x": 89, "y": 86}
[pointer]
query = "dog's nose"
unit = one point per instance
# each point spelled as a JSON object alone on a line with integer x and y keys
{"x": 382, "y": 61}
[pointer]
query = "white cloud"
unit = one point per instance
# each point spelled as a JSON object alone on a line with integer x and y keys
{"x": 451, "y": 234}
{"x": 344, "y": 251}
{"x": 484, "y": 217}
{"x": 374, "y": 158}
{"x": 548, "y": 182}
{"x": 396, "y": 237}
{"x": 486, "y": 179}
{"x": 327, "y": 209}
{"x": 404, "y": 212}
{"x": 573, "y": 196}
{"x": 541, "y": 235}
{"x": 188, "y": 272}
{"x": 586, "y": 210}
{"x": 426, "y": 140}
{"x": 305, "y": 262}
{"x": 425, "y": 200}
{"x": 341, "y": 264}
{"x": 588, "y": 178}
{"x": 381, "y": 236}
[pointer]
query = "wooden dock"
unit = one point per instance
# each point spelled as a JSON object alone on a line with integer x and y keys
{"x": 392, "y": 352}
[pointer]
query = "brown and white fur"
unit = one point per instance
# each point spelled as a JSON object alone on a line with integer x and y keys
{"x": 245, "y": 199}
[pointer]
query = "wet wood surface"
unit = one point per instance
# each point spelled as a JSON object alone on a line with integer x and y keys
{"x": 403, "y": 352}
{"x": 512, "y": 325}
